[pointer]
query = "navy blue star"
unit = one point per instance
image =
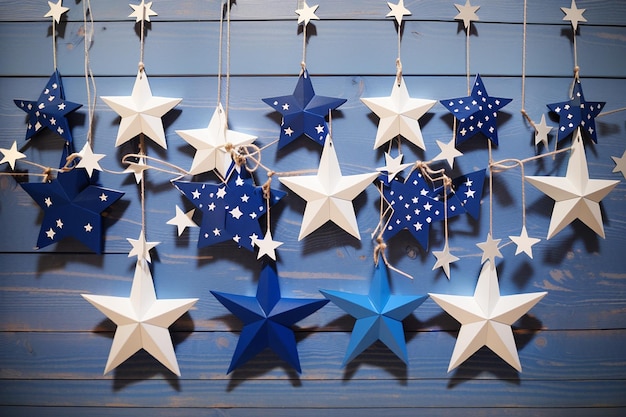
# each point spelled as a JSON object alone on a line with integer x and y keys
{"x": 267, "y": 319}
{"x": 303, "y": 112}
{"x": 577, "y": 112}
{"x": 230, "y": 210}
{"x": 72, "y": 204}
{"x": 476, "y": 113}
{"x": 467, "y": 190}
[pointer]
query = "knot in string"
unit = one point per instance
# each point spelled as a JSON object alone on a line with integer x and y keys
{"x": 576, "y": 72}
{"x": 47, "y": 174}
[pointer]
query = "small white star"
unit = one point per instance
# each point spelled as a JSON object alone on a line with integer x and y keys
{"x": 89, "y": 160}
{"x": 448, "y": 152}
{"x": 142, "y": 11}
{"x": 490, "y": 250}
{"x": 56, "y": 10}
{"x": 221, "y": 192}
{"x": 398, "y": 11}
{"x": 574, "y": 14}
{"x": 620, "y": 164}
{"x": 245, "y": 198}
{"x": 217, "y": 232}
{"x": 289, "y": 131}
{"x": 524, "y": 243}
{"x": 393, "y": 166}
{"x": 11, "y": 155}
{"x": 267, "y": 246}
{"x": 141, "y": 248}
{"x": 88, "y": 227}
{"x": 50, "y": 233}
{"x": 103, "y": 197}
{"x": 236, "y": 213}
{"x": 182, "y": 220}
{"x": 60, "y": 223}
{"x": 195, "y": 194}
{"x": 541, "y": 132}
{"x": 319, "y": 129}
{"x": 444, "y": 259}
{"x": 137, "y": 169}
{"x": 306, "y": 14}
{"x": 467, "y": 13}
{"x": 47, "y": 201}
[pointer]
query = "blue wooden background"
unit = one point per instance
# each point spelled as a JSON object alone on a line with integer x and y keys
{"x": 53, "y": 344}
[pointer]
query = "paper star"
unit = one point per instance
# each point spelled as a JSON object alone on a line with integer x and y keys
{"x": 486, "y": 318}
{"x": 182, "y": 220}
{"x": 469, "y": 189}
{"x": 306, "y": 13}
{"x": 393, "y": 166}
{"x": 267, "y": 245}
{"x": 467, "y": 13}
{"x": 141, "y": 248}
{"x": 448, "y": 152}
{"x": 141, "y": 112}
{"x": 574, "y": 15}
{"x": 72, "y": 205}
{"x": 229, "y": 210}
{"x": 524, "y": 243}
{"x": 137, "y": 169}
{"x": 213, "y": 144}
{"x": 56, "y": 10}
{"x": 378, "y": 315}
{"x": 541, "y": 132}
{"x": 142, "y": 11}
{"x": 142, "y": 321}
{"x": 620, "y": 163}
{"x": 12, "y": 155}
{"x": 89, "y": 160}
{"x": 490, "y": 250}
{"x": 444, "y": 259}
{"x": 575, "y": 195}
{"x": 329, "y": 194}
{"x": 303, "y": 112}
{"x": 267, "y": 319}
{"x": 577, "y": 112}
{"x": 399, "y": 114}
{"x": 398, "y": 11}
{"x": 50, "y": 110}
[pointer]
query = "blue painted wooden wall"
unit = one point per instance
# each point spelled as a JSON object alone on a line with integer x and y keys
{"x": 53, "y": 344}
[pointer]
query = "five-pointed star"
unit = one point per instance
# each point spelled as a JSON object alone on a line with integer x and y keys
{"x": 56, "y": 10}
{"x": 141, "y": 248}
{"x": 89, "y": 160}
{"x": 444, "y": 259}
{"x": 213, "y": 144}
{"x": 486, "y": 318}
{"x": 141, "y": 112}
{"x": 329, "y": 194}
{"x": 267, "y": 245}
{"x": 303, "y": 112}
{"x": 398, "y": 115}
{"x": 12, "y": 155}
{"x": 575, "y": 196}
{"x": 393, "y": 166}
{"x": 467, "y": 13}
{"x": 398, "y": 11}
{"x": 620, "y": 163}
{"x": 142, "y": 11}
{"x": 574, "y": 14}
{"x": 490, "y": 250}
{"x": 267, "y": 319}
{"x": 142, "y": 321}
{"x": 182, "y": 220}
{"x": 541, "y": 132}
{"x": 378, "y": 315}
{"x": 306, "y": 13}
{"x": 524, "y": 243}
{"x": 448, "y": 152}
{"x": 137, "y": 168}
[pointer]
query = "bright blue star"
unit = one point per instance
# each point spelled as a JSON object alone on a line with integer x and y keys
{"x": 303, "y": 112}
{"x": 267, "y": 319}
{"x": 378, "y": 315}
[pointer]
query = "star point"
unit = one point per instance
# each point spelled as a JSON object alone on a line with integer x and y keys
{"x": 524, "y": 243}
{"x": 56, "y": 10}
{"x": 574, "y": 15}
{"x": 306, "y": 13}
{"x": 467, "y": 13}
{"x": 141, "y": 248}
{"x": 398, "y": 11}
{"x": 11, "y": 155}
{"x": 142, "y": 11}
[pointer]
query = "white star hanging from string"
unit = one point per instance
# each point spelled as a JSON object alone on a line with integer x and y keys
{"x": 467, "y": 13}
{"x": 524, "y": 243}
{"x": 398, "y": 11}
{"x": 214, "y": 143}
{"x": 398, "y": 115}
{"x": 141, "y": 112}
{"x": 56, "y": 10}
{"x": 137, "y": 169}
{"x": 574, "y": 14}
{"x": 620, "y": 163}
{"x": 267, "y": 245}
{"x": 141, "y": 248}
{"x": 89, "y": 160}
{"x": 142, "y": 321}
{"x": 490, "y": 249}
{"x": 486, "y": 318}
{"x": 306, "y": 13}
{"x": 541, "y": 132}
{"x": 182, "y": 220}
{"x": 329, "y": 194}
{"x": 448, "y": 152}
{"x": 444, "y": 259}
{"x": 393, "y": 166}
{"x": 142, "y": 11}
{"x": 12, "y": 155}
{"x": 575, "y": 196}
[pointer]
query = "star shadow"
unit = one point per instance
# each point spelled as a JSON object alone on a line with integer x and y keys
{"x": 461, "y": 28}
{"x": 311, "y": 31}
{"x": 147, "y": 27}
{"x": 523, "y": 273}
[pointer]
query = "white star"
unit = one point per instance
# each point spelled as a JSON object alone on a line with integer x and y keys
{"x": 217, "y": 232}
{"x": 214, "y": 143}
{"x": 574, "y": 14}
{"x": 142, "y": 11}
{"x": 329, "y": 194}
{"x": 541, "y": 132}
{"x": 490, "y": 250}
{"x": 319, "y": 129}
{"x": 306, "y": 13}
{"x": 47, "y": 201}
{"x": 182, "y": 220}
{"x": 89, "y": 160}
{"x": 398, "y": 115}
{"x": 289, "y": 131}
{"x": 56, "y": 10}
{"x": 575, "y": 195}
{"x": 50, "y": 233}
{"x": 448, "y": 152}
{"x": 393, "y": 166}
{"x": 142, "y": 321}
{"x": 141, "y": 112}
{"x": 267, "y": 246}
{"x": 88, "y": 227}
{"x": 444, "y": 259}
{"x": 141, "y": 248}
{"x": 60, "y": 223}
{"x": 236, "y": 213}
{"x": 221, "y": 192}
{"x": 467, "y": 13}
{"x": 137, "y": 169}
{"x": 103, "y": 197}
{"x": 524, "y": 243}
{"x": 620, "y": 164}
{"x": 486, "y": 318}
{"x": 398, "y": 11}
{"x": 11, "y": 155}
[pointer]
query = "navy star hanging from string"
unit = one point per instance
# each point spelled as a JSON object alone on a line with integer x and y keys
{"x": 577, "y": 112}
{"x": 72, "y": 205}
{"x": 230, "y": 210}
{"x": 303, "y": 112}
{"x": 468, "y": 190}
{"x": 267, "y": 319}
{"x": 476, "y": 113}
